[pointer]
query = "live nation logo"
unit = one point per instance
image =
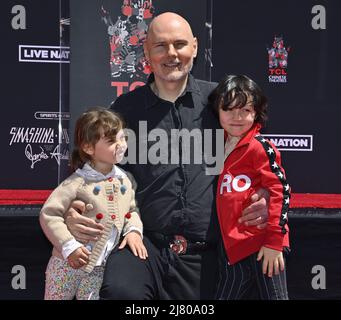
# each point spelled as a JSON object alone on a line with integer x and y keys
{"x": 288, "y": 142}
{"x": 278, "y": 60}
{"x": 44, "y": 54}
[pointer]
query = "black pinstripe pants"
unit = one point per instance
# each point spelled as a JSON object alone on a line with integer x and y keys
{"x": 242, "y": 280}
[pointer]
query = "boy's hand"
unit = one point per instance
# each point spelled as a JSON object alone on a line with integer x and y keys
{"x": 79, "y": 258}
{"x": 272, "y": 260}
{"x": 134, "y": 241}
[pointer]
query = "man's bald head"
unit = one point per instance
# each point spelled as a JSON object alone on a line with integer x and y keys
{"x": 168, "y": 20}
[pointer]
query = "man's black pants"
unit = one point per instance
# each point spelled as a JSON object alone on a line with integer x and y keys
{"x": 164, "y": 275}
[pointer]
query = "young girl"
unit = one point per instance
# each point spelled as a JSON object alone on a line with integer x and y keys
{"x": 76, "y": 269}
{"x": 252, "y": 257}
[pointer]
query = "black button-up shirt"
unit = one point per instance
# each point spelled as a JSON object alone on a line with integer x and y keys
{"x": 173, "y": 198}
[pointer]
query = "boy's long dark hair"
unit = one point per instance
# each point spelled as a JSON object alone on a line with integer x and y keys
{"x": 235, "y": 90}
{"x": 90, "y": 126}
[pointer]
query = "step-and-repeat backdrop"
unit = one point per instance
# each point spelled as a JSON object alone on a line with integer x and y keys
{"x": 35, "y": 113}
{"x": 292, "y": 52}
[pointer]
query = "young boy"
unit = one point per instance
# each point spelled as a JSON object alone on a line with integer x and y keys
{"x": 252, "y": 257}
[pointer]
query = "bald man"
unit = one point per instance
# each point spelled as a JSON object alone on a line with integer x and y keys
{"x": 176, "y": 200}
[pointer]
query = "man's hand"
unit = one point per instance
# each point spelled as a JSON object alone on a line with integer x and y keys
{"x": 82, "y": 228}
{"x": 78, "y": 258}
{"x": 256, "y": 214}
{"x": 272, "y": 260}
{"x": 134, "y": 241}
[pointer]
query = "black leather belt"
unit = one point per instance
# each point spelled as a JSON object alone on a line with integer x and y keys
{"x": 178, "y": 243}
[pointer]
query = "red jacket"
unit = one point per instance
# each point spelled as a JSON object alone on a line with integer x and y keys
{"x": 253, "y": 164}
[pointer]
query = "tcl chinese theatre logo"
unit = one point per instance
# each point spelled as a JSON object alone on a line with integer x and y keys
{"x": 278, "y": 61}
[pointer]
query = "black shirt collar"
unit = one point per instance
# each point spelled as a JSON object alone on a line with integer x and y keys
{"x": 152, "y": 98}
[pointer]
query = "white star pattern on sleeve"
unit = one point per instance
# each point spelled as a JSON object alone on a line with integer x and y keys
{"x": 270, "y": 151}
{"x": 280, "y": 174}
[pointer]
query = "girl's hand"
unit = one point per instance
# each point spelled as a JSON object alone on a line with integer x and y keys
{"x": 272, "y": 260}
{"x": 134, "y": 241}
{"x": 79, "y": 258}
